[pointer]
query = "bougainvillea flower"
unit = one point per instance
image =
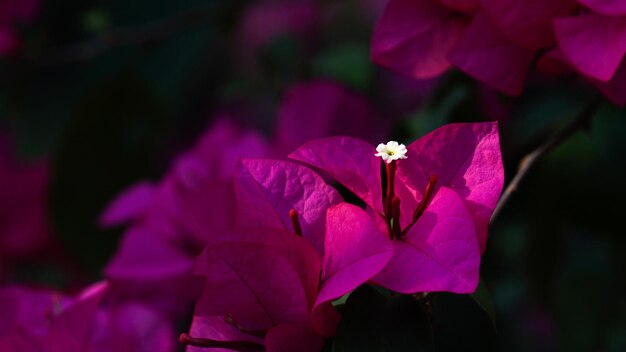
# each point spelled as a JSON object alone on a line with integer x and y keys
{"x": 173, "y": 219}
{"x": 253, "y": 288}
{"x": 413, "y": 37}
{"x": 268, "y": 190}
{"x": 435, "y": 212}
{"x": 177, "y": 209}
{"x": 131, "y": 327}
{"x": 592, "y": 43}
{"x": 323, "y": 108}
{"x": 527, "y": 23}
{"x": 486, "y": 54}
{"x": 26, "y": 309}
{"x": 424, "y": 38}
{"x": 264, "y": 285}
{"x": 497, "y": 41}
{"x": 200, "y": 179}
{"x": 284, "y": 196}
{"x": 606, "y": 7}
{"x": 45, "y": 321}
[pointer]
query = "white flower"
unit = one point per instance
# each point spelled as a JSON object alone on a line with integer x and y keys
{"x": 391, "y": 151}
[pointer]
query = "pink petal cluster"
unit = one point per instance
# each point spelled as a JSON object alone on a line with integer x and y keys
{"x": 454, "y": 175}
{"x": 171, "y": 221}
{"x": 12, "y": 12}
{"x": 46, "y": 321}
{"x": 297, "y": 245}
{"x": 594, "y": 43}
{"x": 497, "y": 41}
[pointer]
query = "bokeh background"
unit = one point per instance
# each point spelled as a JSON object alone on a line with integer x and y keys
{"x": 97, "y": 95}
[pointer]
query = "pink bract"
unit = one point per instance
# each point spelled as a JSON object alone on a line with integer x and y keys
{"x": 439, "y": 253}
{"x": 486, "y": 54}
{"x": 257, "y": 292}
{"x": 267, "y": 190}
{"x": 606, "y": 7}
{"x": 413, "y": 37}
{"x": 528, "y": 23}
{"x": 451, "y": 233}
{"x": 466, "y": 158}
{"x": 592, "y": 43}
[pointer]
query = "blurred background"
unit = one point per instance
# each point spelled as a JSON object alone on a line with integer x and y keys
{"x": 98, "y": 95}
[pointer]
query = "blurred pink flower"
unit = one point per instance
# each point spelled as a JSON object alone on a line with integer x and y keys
{"x": 46, "y": 321}
{"x": 497, "y": 41}
{"x": 173, "y": 220}
{"x": 413, "y": 37}
{"x": 594, "y": 44}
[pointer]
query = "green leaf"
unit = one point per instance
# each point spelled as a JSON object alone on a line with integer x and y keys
{"x": 349, "y": 64}
{"x": 341, "y": 300}
{"x": 96, "y": 21}
{"x": 482, "y": 297}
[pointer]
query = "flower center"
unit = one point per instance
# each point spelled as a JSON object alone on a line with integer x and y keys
{"x": 390, "y": 153}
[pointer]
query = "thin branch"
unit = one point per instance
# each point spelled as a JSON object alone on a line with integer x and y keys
{"x": 142, "y": 34}
{"x": 528, "y": 162}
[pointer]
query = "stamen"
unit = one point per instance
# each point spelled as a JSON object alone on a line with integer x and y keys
{"x": 390, "y": 169}
{"x": 242, "y": 346}
{"x": 421, "y": 207}
{"x": 229, "y": 319}
{"x": 395, "y": 216}
{"x": 295, "y": 222}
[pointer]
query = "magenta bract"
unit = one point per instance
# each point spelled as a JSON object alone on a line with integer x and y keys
{"x": 267, "y": 190}
{"x": 451, "y": 230}
{"x": 496, "y": 41}
{"x": 413, "y": 37}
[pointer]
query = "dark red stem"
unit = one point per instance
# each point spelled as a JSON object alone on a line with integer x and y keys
{"x": 421, "y": 207}
{"x": 229, "y": 319}
{"x": 390, "y": 169}
{"x": 395, "y": 216}
{"x": 295, "y": 222}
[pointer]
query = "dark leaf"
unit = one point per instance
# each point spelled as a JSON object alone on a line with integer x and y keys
{"x": 482, "y": 297}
